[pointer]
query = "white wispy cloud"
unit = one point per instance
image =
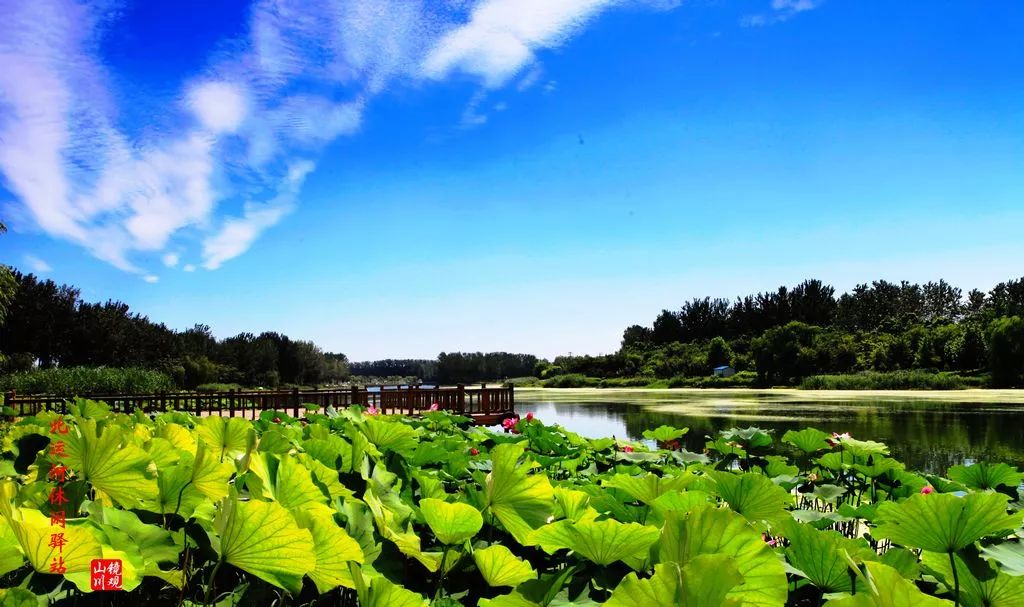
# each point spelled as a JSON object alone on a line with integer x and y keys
{"x": 502, "y": 36}
{"x": 247, "y": 128}
{"x": 781, "y": 10}
{"x": 151, "y": 278}
{"x": 37, "y": 265}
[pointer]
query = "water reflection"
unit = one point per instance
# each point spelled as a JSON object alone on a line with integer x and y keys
{"x": 926, "y": 435}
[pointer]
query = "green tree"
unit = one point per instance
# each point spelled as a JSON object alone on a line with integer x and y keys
{"x": 719, "y": 353}
{"x": 785, "y": 354}
{"x": 1006, "y": 350}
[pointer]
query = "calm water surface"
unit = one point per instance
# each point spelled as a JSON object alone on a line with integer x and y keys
{"x": 927, "y": 435}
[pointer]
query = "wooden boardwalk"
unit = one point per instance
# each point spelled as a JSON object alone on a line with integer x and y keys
{"x": 487, "y": 406}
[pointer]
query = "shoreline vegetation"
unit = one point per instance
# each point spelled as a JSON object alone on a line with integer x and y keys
{"x": 356, "y": 508}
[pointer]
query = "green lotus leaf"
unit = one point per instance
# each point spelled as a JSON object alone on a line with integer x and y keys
{"x": 284, "y": 479}
{"x": 1009, "y": 555}
{"x": 943, "y": 522}
{"x": 227, "y": 437}
{"x": 114, "y": 466}
{"x": 649, "y": 487}
{"x": 334, "y": 550}
{"x": 751, "y": 438}
{"x": 663, "y": 434}
{"x": 209, "y": 475}
{"x": 378, "y": 591}
{"x": 984, "y": 476}
{"x": 704, "y": 582}
{"x": 885, "y": 587}
{"x": 571, "y": 504}
{"x": 331, "y": 451}
{"x": 711, "y": 530}
{"x": 828, "y": 493}
{"x": 878, "y": 466}
{"x": 521, "y": 501}
{"x": 607, "y": 541}
{"x": 451, "y": 523}
{"x": 862, "y": 448}
{"x": 178, "y": 435}
{"x": 981, "y": 584}
{"x": 754, "y": 496}
{"x": 819, "y": 556}
{"x": 390, "y": 436}
{"x": 162, "y": 452}
{"x": 11, "y": 556}
{"x": 20, "y": 597}
{"x": 89, "y": 409}
{"x": 262, "y": 538}
{"x": 502, "y": 568}
{"x": 726, "y": 447}
{"x": 123, "y": 528}
{"x": 390, "y": 526}
{"x": 808, "y": 440}
{"x": 32, "y": 530}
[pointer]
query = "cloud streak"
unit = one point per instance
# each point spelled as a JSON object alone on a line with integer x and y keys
{"x": 248, "y": 129}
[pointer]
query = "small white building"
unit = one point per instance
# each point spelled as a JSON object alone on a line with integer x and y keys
{"x": 724, "y": 371}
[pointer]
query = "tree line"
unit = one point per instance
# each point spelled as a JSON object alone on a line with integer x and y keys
{"x": 48, "y": 325}
{"x": 451, "y": 367}
{"x": 792, "y": 333}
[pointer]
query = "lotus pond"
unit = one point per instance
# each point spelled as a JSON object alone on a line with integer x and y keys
{"x": 354, "y": 509}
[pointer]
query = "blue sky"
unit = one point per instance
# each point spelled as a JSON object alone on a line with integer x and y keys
{"x": 402, "y": 178}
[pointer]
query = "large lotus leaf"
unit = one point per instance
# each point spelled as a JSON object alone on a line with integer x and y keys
{"x": 378, "y": 591}
{"x": 115, "y": 467}
{"x": 981, "y": 584}
{"x": 284, "y": 479}
{"x": 11, "y": 556}
{"x": 390, "y": 527}
{"x": 390, "y": 436}
{"x": 571, "y": 504}
{"x": 89, "y": 409}
{"x": 20, "y": 597}
{"x": 178, "y": 435}
{"x": 131, "y": 571}
{"x": 677, "y": 501}
{"x": 177, "y": 494}
{"x": 818, "y": 555}
{"x": 502, "y": 568}
{"x": 334, "y": 550}
{"x": 227, "y": 437}
{"x": 885, "y": 587}
{"x": 751, "y": 438}
{"x": 162, "y": 452}
{"x": 262, "y": 538}
{"x": 664, "y": 434}
{"x": 808, "y": 440}
{"x": 123, "y": 528}
{"x": 607, "y": 541}
{"x": 521, "y": 501}
{"x": 1009, "y": 555}
{"x": 986, "y": 476}
{"x": 649, "y": 487}
{"x": 451, "y": 523}
{"x": 943, "y": 522}
{"x": 33, "y": 532}
{"x": 711, "y": 530}
{"x": 705, "y": 581}
{"x": 326, "y": 478}
{"x": 862, "y": 448}
{"x": 754, "y": 496}
{"x": 876, "y": 466}
{"x": 332, "y": 451}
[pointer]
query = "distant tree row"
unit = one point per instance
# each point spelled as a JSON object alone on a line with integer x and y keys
{"x": 791, "y": 333}
{"x": 452, "y": 368}
{"x": 49, "y": 325}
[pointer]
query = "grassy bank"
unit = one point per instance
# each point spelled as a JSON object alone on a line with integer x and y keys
{"x": 86, "y": 380}
{"x": 869, "y": 380}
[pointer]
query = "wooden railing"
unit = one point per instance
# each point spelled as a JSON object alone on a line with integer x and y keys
{"x": 485, "y": 405}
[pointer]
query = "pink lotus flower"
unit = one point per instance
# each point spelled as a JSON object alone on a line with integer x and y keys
{"x": 529, "y": 416}
{"x": 435, "y": 407}
{"x": 277, "y": 420}
{"x": 627, "y": 449}
{"x": 372, "y": 411}
{"x": 927, "y": 489}
{"x": 474, "y": 451}
{"x": 837, "y": 438}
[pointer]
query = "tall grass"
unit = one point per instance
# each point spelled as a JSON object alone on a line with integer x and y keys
{"x": 892, "y": 380}
{"x": 83, "y": 381}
